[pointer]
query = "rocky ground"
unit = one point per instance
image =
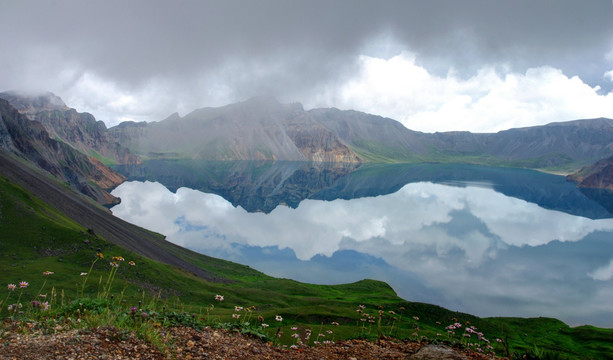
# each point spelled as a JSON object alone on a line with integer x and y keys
{"x": 189, "y": 343}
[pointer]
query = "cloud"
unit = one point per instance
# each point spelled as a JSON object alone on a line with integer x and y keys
{"x": 491, "y": 100}
{"x": 603, "y": 273}
{"x": 609, "y": 75}
{"x": 169, "y": 58}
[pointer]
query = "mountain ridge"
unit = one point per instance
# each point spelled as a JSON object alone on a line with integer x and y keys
{"x": 264, "y": 129}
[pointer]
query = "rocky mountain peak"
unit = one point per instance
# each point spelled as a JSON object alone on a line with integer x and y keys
{"x": 31, "y": 104}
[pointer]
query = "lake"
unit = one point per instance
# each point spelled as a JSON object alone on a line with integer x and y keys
{"x": 482, "y": 240}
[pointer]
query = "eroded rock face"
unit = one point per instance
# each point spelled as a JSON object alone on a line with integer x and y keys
{"x": 437, "y": 352}
{"x": 29, "y": 140}
{"x": 596, "y": 176}
{"x": 79, "y": 130}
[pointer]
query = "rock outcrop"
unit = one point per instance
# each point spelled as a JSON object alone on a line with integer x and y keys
{"x": 30, "y": 140}
{"x": 79, "y": 130}
{"x": 596, "y": 176}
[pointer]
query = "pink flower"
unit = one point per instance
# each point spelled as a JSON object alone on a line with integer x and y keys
{"x": 278, "y": 318}
{"x": 12, "y": 287}
{"x": 23, "y": 285}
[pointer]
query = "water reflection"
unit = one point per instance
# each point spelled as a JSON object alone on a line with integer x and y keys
{"x": 470, "y": 247}
{"x": 262, "y": 186}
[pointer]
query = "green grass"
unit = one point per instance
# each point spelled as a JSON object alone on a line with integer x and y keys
{"x": 36, "y": 238}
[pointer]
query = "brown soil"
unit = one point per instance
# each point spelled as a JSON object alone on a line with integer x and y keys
{"x": 188, "y": 343}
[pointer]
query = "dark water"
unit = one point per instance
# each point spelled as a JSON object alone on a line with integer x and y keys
{"x": 483, "y": 240}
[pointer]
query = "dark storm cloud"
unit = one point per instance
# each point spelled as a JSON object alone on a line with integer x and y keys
{"x": 288, "y": 48}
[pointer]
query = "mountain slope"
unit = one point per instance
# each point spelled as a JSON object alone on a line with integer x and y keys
{"x": 79, "y": 130}
{"x": 257, "y": 129}
{"x": 30, "y": 140}
{"x": 263, "y": 129}
{"x": 597, "y": 176}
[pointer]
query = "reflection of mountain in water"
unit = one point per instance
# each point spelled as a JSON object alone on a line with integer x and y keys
{"x": 254, "y": 185}
{"x": 262, "y": 186}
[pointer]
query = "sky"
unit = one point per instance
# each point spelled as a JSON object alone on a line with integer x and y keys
{"x": 433, "y": 65}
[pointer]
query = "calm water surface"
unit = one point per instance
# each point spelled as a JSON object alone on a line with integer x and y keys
{"x": 487, "y": 241}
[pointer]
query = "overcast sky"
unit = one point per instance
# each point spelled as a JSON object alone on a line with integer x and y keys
{"x": 433, "y": 65}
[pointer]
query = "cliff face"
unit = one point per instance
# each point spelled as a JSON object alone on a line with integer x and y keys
{"x": 29, "y": 140}
{"x": 596, "y": 176}
{"x": 316, "y": 142}
{"x": 79, "y": 130}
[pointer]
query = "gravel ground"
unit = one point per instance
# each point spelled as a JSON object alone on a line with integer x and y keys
{"x": 189, "y": 343}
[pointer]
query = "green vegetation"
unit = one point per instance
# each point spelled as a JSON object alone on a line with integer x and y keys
{"x": 49, "y": 251}
{"x": 107, "y": 161}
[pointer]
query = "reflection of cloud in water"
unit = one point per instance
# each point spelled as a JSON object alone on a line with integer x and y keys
{"x": 468, "y": 243}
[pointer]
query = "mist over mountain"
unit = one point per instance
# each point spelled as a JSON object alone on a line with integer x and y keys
{"x": 261, "y": 128}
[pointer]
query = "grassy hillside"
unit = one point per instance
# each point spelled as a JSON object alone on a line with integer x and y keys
{"x": 37, "y": 237}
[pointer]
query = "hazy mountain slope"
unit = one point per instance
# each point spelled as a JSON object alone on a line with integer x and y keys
{"x": 80, "y": 130}
{"x": 30, "y": 140}
{"x": 257, "y": 129}
{"x": 263, "y": 129}
{"x": 554, "y": 144}
{"x": 373, "y": 137}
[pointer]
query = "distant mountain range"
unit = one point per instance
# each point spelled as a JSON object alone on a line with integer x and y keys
{"x": 264, "y": 129}
{"x": 75, "y": 148}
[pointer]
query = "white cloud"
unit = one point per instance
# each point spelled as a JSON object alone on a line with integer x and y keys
{"x": 491, "y": 100}
{"x": 603, "y": 273}
{"x": 609, "y": 75}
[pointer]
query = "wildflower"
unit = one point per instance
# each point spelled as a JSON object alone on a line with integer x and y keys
{"x": 265, "y": 325}
{"x": 100, "y": 255}
{"x": 236, "y": 316}
{"x": 294, "y": 328}
{"x": 293, "y": 347}
{"x": 392, "y": 312}
{"x": 35, "y": 303}
{"x": 278, "y": 318}
{"x": 335, "y": 323}
{"x": 47, "y": 273}
{"x": 12, "y": 287}
{"x": 260, "y": 319}
{"x": 498, "y": 340}
{"x": 144, "y": 315}
{"x": 238, "y": 308}
{"x": 114, "y": 264}
{"x": 118, "y": 258}
{"x": 416, "y": 318}
{"x": 83, "y": 274}
{"x": 362, "y": 307}
{"x": 295, "y": 335}
{"x": 132, "y": 263}
{"x": 45, "y": 306}
{"x": 219, "y": 298}
{"x": 23, "y": 285}
{"x": 42, "y": 295}
{"x": 329, "y": 331}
